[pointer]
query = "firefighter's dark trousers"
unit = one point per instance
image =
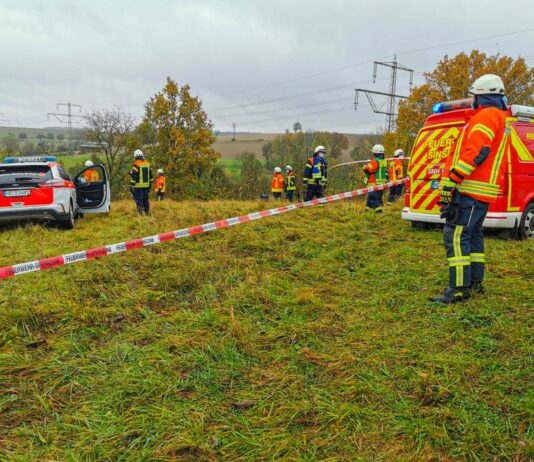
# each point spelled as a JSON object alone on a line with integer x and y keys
{"x": 141, "y": 199}
{"x": 313, "y": 190}
{"x": 375, "y": 200}
{"x": 464, "y": 242}
{"x": 395, "y": 192}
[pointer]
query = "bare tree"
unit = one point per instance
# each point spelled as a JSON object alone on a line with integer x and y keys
{"x": 112, "y": 130}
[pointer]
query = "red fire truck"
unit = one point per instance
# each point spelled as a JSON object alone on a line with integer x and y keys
{"x": 514, "y": 208}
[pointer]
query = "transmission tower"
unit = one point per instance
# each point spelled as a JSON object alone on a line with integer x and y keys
{"x": 391, "y": 102}
{"x": 233, "y": 126}
{"x": 2, "y": 120}
{"x": 69, "y": 115}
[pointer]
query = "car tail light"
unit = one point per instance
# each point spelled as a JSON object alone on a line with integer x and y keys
{"x": 54, "y": 183}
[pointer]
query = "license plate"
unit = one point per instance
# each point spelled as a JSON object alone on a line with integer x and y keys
{"x": 17, "y": 193}
{"x": 434, "y": 185}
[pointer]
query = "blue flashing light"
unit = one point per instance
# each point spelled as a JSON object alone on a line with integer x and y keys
{"x": 20, "y": 160}
{"x": 437, "y": 108}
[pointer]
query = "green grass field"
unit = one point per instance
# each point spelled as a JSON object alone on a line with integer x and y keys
{"x": 304, "y": 337}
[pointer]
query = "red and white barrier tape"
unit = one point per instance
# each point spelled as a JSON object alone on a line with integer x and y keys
{"x": 60, "y": 260}
{"x": 364, "y": 161}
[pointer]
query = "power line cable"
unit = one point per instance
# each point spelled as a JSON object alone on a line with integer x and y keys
{"x": 370, "y": 61}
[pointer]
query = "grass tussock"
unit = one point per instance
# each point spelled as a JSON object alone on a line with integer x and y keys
{"x": 306, "y": 336}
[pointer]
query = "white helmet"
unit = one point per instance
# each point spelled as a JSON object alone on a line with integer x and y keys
{"x": 277, "y": 170}
{"x": 399, "y": 153}
{"x": 378, "y": 149}
{"x": 289, "y": 168}
{"x": 320, "y": 149}
{"x": 89, "y": 163}
{"x": 138, "y": 154}
{"x": 160, "y": 171}
{"x": 488, "y": 84}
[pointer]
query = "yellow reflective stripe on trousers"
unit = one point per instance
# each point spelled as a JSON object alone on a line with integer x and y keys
{"x": 456, "y": 245}
{"x": 482, "y": 128}
{"x": 477, "y": 258}
{"x": 459, "y": 261}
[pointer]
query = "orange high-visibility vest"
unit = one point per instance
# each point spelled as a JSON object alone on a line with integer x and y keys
{"x": 277, "y": 185}
{"x": 91, "y": 175}
{"x": 479, "y": 173}
{"x": 396, "y": 171}
{"x": 160, "y": 183}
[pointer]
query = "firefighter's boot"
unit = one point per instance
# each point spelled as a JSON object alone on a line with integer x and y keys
{"x": 452, "y": 295}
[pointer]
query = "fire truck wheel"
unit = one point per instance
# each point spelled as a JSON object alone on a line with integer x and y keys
{"x": 526, "y": 227}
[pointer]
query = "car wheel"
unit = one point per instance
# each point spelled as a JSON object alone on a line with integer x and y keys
{"x": 69, "y": 222}
{"x": 526, "y": 226}
{"x": 419, "y": 225}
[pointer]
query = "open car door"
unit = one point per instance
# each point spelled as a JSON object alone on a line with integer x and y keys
{"x": 93, "y": 193}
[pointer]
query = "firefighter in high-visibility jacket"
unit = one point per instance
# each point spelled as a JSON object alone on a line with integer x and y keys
{"x": 90, "y": 175}
{"x": 376, "y": 173}
{"x": 472, "y": 181}
{"x": 140, "y": 180}
{"x": 290, "y": 183}
{"x": 396, "y": 172}
{"x": 315, "y": 174}
{"x": 277, "y": 184}
{"x": 160, "y": 185}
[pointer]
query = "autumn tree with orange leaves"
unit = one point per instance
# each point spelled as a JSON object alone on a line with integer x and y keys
{"x": 450, "y": 80}
{"x": 180, "y": 136}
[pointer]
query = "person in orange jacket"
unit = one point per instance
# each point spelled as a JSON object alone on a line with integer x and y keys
{"x": 159, "y": 185}
{"x": 376, "y": 173}
{"x": 277, "y": 185}
{"x": 90, "y": 175}
{"x": 471, "y": 181}
{"x": 396, "y": 172}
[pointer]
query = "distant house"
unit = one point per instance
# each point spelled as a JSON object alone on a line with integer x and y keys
{"x": 89, "y": 146}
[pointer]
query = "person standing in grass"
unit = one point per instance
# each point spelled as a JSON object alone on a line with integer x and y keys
{"x": 471, "y": 181}
{"x": 396, "y": 172}
{"x": 315, "y": 174}
{"x": 277, "y": 184}
{"x": 159, "y": 185}
{"x": 290, "y": 183}
{"x": 140, "y": 180}
{"x": 376, "y": 173}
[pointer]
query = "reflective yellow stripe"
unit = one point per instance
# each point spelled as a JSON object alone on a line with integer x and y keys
{"x": 464, "y": 167}
{"x": 457, "y": 150}
{"x": 479, "y": 192}
{"x": 459, "y": 261}
{"x": 498, "y": 157}
{"x": 477, "y": 258}
{"x": 456, "y": 242}
{"x": 487, "y": 190}
{"x": 483, "y": 129}
{"x": 522, "y": 151}
{"x": 481, "y": 185}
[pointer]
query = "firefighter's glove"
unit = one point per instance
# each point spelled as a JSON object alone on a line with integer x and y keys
{"x": 447, "y": 192}
{"x": 323, "y": 181}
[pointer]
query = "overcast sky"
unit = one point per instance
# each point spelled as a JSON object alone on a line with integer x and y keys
{"x": 261, "y": 64}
